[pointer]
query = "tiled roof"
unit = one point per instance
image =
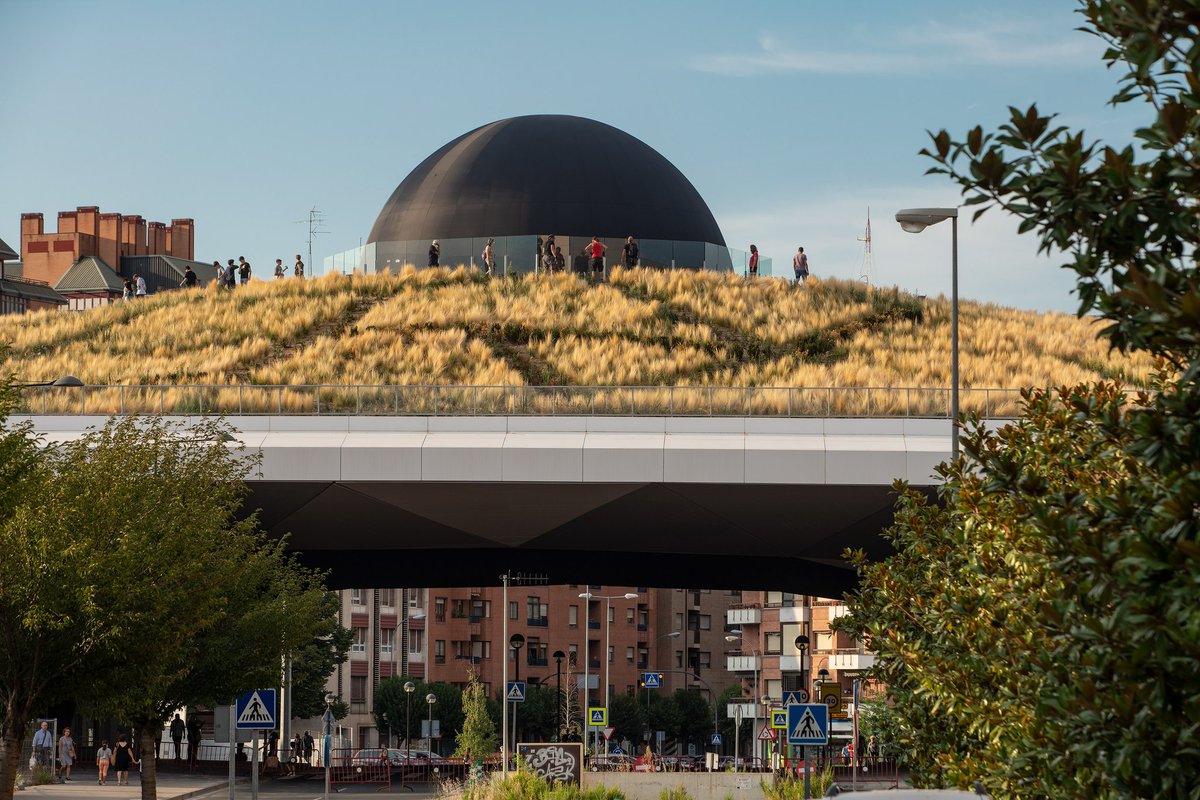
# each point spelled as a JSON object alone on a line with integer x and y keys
{"x": 14, "y": 287}
{"x": 6, "y": 252}
{"x": 90, "y": 274}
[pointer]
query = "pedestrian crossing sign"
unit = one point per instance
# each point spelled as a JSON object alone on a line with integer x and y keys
{"x": 598, "y": 716}
{"x": 516, "y": 692}
{"x": 808, "y": 723}
{"x": 255, "y": 710}
{"x": 779, "y": 719}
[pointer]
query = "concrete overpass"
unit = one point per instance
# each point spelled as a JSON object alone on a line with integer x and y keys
{"x": 739, "y": 502}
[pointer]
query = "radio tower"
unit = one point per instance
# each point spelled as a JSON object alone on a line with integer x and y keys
{"x": 314, "y": 222}
{"x": 866, "y": 273}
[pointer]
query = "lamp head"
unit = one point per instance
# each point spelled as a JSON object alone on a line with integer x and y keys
{"x": 915, "y": 220}
{"x": 733, "y": 638}
{"x": 586, "y": 595}
{"x": 431, "y": 698}
{"x": 674, "y": 634}
{"x": 559, "y": 655}
{"x": 516, "y": 641}
{"x": 410, "y": 687}
{"x": 631, "y": 595}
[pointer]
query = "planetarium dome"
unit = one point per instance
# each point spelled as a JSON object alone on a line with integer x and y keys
{"x": 523, "y": 179}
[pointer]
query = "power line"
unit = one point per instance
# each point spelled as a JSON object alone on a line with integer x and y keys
{"x": 314, "y": 223}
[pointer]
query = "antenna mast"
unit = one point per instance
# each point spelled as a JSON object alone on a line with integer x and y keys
{"x": 314, "y": 223}
{"x": 867, "y": 265}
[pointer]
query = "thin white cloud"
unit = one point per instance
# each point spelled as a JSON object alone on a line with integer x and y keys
{"x": 924, "y": 48}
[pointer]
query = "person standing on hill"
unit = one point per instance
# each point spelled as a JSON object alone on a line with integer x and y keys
{"x": 279, "y": 270}
{"x": 139, "y": 286}
{"x": 298, "y": 270}
{"x": 596, "y": 250}
{"x": 489, "y": 257}
{"x": 189, "y": 278}
{"x": 631, "y": 253}
{"x": 435, "y": 254}
{"x": 243, "y": 270}
{"x": 753, "y": 261}
{"x": 800, "y": 265}
{"x": 230, "y": 274}
{"x": 127, "y": 295}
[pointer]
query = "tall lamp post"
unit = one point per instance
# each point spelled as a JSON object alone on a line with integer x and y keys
{"x": 409, "y": 688}
{"x": 735, "y": 635}
{"x": 915, "y": 220}
{"x": 558, "y": 701}
{"x": 607, "y": 636}
{"x": 802, "y": 645}
{"x": 431, "y": 699}
{"x": 516, "y": 642}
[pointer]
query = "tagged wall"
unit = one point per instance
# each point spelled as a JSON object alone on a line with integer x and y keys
{"x": 700, "y": 785}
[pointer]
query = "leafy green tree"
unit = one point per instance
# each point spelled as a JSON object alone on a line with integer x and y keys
{"x": 1044, "y": 620}
{"x": 693, "y": 717}
{"x": 663, "y": 713}
{"x": 627, "y": 716}
{"x": 313, "y": 663}
{"x": 536, "y": 717}
{"x": 477, "y": 738}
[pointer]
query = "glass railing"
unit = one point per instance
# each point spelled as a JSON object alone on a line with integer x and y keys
{"x": 367, "y": 400}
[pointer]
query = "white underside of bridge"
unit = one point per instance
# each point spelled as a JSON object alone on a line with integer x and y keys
{"x": 724, "y": 450}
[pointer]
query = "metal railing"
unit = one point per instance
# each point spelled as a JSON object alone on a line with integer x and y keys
{"x": 367, "y": 400}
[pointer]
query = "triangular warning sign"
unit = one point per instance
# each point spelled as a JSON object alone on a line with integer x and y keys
{"x": 807, "y": 727}
{"x": 256, "y": 711}
{"x": 516, "y": 692}
{"x": 766, "y": 735}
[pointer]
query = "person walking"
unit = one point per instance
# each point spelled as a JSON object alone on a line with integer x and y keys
{"x": 194, "y": 733}
{"x": 279, "y": 270}
{"x": 140, "y": 283}
{"x": 177, "y": 729}
{"x": 122, "y": 757}
{"x": 103, "y": 762}
{"x": 800, "y": 265}
{"x": 631, "y": 253}
{"x": 489, "y": 257}
{"x": 66, "y": 755}
{"x": 217, "y": 268}
{"x": 297, "y": 753}
{"x": 43, "y": 744}
{"x": 230, "y": 274}
{"x": 435, "y": 254}
{"x": 243, "y": 270}
{"x": 596, "y": 250}
{"x": 189, "y": 278}
{"x": 548, "y": 255}
{"x": 753, "y": 261}
{"x": 560, "y": 263}
{"x": 309, "y": 745}
{"x": 298, "y": 270}
{"x": 127, "y": 294}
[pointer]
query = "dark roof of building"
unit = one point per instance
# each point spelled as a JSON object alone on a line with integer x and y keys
{"x": 7, "y": 252}
{"x": 90, "y": 274}
{"x": 33, "y": 290}
{"x": 546, "y": 174}
{"x": 205, "y": 273}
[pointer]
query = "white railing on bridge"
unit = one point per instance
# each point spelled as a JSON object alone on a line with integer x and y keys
{"x": 366, "y": 400}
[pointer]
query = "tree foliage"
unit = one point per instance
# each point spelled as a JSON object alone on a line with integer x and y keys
{"x": 478, "y": 735}
{"x": 1039, "y": 626}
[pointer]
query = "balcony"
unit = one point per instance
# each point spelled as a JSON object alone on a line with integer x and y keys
{"x": 594, "y": 624}
{"x": 851, "y": 660}
{"x": 537, "y": 662}
{"x": 475, "y": 619}
{"x": 795, "y": 614}
{"x": 538, "y": 622}
{"x": 642, "y": 626}
{"x": 643, "y": 665}
{"x": 743, "y": 663}
{"x": 744, "y": 616}
{"x": 594, "y": 664}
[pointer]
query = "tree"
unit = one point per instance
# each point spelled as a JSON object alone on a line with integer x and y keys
{"x": 693, "y": 718}
{"x": 1068, "y": 544}
{"x": 572, "y": 714}
{"x": 477, "y": 738}
{"x": 627, "y": 716}
{"x": 313, "y": 663}
{"x": 204, "y": 599}
{"x": 537, "y": 713}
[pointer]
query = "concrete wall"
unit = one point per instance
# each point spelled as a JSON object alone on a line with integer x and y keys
{"x": 700, "y": 785}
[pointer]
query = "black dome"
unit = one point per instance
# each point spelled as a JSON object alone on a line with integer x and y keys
{"x": 544, "y": 174}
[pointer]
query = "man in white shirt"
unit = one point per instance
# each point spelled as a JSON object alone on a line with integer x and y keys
{"x": 43, "y": 742}
{"x": 141, "y": 285}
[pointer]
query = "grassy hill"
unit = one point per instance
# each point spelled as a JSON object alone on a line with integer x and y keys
{"x": 644, "y": 328}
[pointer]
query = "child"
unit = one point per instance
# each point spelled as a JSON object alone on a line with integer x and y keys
{"x": 103, "y": 761}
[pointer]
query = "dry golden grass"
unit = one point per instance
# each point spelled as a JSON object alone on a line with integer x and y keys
{"x": 451, "y": 326}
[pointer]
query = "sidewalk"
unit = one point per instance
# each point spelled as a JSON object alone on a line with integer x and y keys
{"x": 170, "y": 787}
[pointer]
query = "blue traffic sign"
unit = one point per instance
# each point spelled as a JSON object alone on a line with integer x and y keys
{"x": 795, "y": 697}
{"x": 255, "y": 710}
{"x": 516, "y": 692}
{"x": 716, "y": 740}
{"x": 808, "y": 723}
{"x": 652, "y": 680}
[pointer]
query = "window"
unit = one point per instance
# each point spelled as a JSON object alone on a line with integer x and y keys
{"x": 536, "y": 652}
{"x": 824, "y": 641}
{"x": 610, "y": 653}
{"x": 705, "y": 622}
{"x": 629, "y": 654}
{"x": 458, "y": 609}
{"x": 513, "y": 609}
{"x": 358, "y": 689}
{"x": 610, "y": 615}
{"x": 643, "y": 619}
{"x": 387, "y": 597}
{"x": 536, "y": 611}
{"x": 359, "y": 645}
{"x": 439, "y": 651}
{"x": 629, "y": 615}
{"x": 480, "y": 609}
{"x": 439, "y": 609}
{"x": 387, "y": 637}
{"x": 774, "y": 643}
{"x": 573, "y": 616}
{"x": 705, "y": 659}
{"x": 572, "y": 654}
{"x": 679, "y": 659}
{"x": 356, "y": 597}
{"x": 416, "y": 639}
{"x": 679, "y": 621}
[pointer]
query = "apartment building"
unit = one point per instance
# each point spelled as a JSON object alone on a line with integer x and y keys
{"x": 691, "y": 626}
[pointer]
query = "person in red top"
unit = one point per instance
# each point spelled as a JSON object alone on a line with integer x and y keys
{"x": 753, "y": 261}
{"x": 596, "y": 250}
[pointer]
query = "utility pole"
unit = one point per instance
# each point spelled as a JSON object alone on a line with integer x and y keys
{"x": 314, "y": 221}
{"x": 867, "y": 258}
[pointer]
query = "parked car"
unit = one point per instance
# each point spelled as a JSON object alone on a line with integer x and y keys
{"x": 610, "y": 763}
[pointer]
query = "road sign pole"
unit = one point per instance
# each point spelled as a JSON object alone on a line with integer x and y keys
{"x": 807, "y": 784}
{"x": 254, "y": 771}
{"x": 232, "y": 748}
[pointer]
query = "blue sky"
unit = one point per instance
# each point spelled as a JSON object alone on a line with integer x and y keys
{"x": 791, "y": 118}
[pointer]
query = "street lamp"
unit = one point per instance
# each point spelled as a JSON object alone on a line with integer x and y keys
{"x": 409, "y": 688}
{"x": 558, "y": 657}
{"x": 735, "y": 635}
{"x": 607, "y": 637}
{"x": 431, "y": 698}
{"x": 915, "y": 220}
{"x": 516, "y": 642}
